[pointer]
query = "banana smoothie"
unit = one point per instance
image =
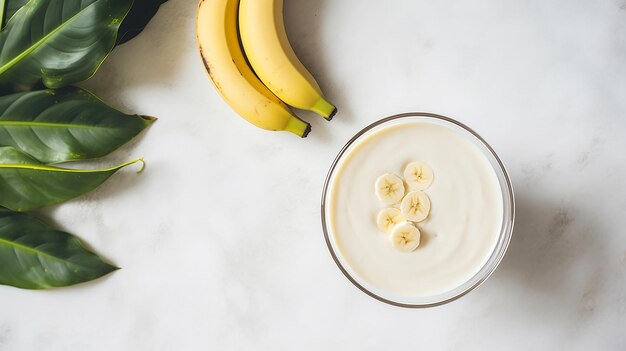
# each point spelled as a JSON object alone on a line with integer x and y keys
{"x": 414, "y": 209}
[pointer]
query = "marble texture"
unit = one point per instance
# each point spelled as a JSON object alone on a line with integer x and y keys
{"x": 220, "y": 238}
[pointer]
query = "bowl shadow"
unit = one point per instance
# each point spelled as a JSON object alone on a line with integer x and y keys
{"x": 550, "y": 242}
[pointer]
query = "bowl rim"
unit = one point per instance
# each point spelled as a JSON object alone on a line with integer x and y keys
{"x": 508, "y": 233}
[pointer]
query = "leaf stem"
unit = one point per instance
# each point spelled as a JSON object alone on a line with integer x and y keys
{"x": 68, "y": 170}
{"x": 34, "y": 124}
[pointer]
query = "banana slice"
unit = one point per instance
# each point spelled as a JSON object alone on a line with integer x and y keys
{"x": 415, "y": 206}
{"x": 389, "y": 188}
{"x": 387, "y": 218}
{"x": 418, "y": 175}
{"x": 405, "y": 237}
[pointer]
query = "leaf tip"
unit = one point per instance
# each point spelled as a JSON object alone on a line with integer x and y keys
{"x": 149, "y": 119}
{"x": 109, "y": 268}
{"x": 143, "y": 164}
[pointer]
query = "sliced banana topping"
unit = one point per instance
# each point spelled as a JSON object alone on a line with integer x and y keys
{"x": 389, "y": 188}
{"x": 387, "y": 218}
{"x": 418, "y": 175}
{"x": 405, "y": 237}
{"x": 401, "y": 224}
{"x": 415, "y": 206}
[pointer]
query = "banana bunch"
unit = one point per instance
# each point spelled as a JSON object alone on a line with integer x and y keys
{"x": 259, "y": 84}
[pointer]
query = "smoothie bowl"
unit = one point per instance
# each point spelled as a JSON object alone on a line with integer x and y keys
{"x": 417, "y": 210}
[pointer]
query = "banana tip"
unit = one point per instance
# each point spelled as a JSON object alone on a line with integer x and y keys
{"x": 332, "y": 114}
{"x": 306, "y": 131}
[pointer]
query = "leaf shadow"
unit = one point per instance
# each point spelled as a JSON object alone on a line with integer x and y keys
{"x": 120, "y": 183}
{"x": 153, "y": 58}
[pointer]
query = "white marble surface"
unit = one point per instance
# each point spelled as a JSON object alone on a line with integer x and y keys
{"x": 220, "y": 238}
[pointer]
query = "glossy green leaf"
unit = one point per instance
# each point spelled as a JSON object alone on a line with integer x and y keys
{"x": 140, "y": 14}
{"x": 58, "y": 41}
{"x": 11, "y": 7}
{"x": 27, "y": 184}
{"x": 2, "y": 11}
{"x": 35, "y": 256}
{"x": 65, "y": 125}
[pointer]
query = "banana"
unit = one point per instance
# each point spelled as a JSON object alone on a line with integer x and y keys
{"x": 218, "y": 42}
{"x": 418, "y": 175}
{"x": 269, "y": 52}
{"x": 405, "y": 237}
{"x": 415, "y": 206}
{"x": 387, "y": 218}
{"x": 389, "y": 188}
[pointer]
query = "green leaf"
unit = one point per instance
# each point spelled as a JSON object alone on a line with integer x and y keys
{"x": 58, "y": 41}
{"x": 65, "y": 125}
{"x": 2, "y": 11}
{"x": 11, "y": 8}
{"x": 140, "y": 14}
{"x": 35, "y": 256}
{"x": 27, "y": 184}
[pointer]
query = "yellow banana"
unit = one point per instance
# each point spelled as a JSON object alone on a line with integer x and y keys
{"x": 267, "y": 48}
{"x": 218, "y": 41}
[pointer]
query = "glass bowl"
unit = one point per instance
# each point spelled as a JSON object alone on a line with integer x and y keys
{"x": 505, "y": 232}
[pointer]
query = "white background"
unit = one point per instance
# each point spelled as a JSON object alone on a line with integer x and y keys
{"x": 220, "y": 238}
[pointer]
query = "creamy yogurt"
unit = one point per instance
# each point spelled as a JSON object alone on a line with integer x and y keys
{"x": 457, "y": 238}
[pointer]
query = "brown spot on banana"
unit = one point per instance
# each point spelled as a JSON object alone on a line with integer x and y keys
{"x": 209, "y": 69}
{"x": 205, "y": 62}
